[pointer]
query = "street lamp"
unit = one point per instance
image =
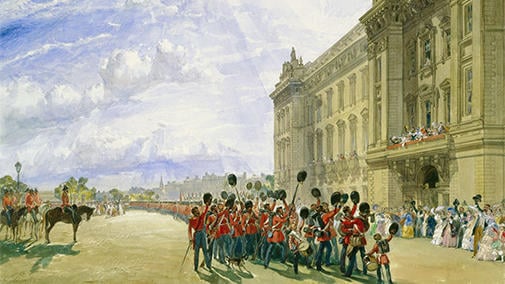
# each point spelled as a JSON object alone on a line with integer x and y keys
{"x": 18, "y": 169}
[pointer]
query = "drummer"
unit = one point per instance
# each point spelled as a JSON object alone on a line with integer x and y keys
{"x": 381, "y": 248}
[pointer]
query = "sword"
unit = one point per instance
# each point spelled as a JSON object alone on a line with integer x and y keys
{"x": 184, "y": 259}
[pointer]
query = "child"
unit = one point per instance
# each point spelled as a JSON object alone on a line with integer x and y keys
{"x": 381, "y": 248}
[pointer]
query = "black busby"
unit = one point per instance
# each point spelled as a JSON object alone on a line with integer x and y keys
{"x": 248, "y": 185}
{"x": 281, "y": 194}
{"x": 232, "y": 179}
{"x": 364, "y": 208}
{"x": 335, "y": 198}
{"x": 207, "y": 198}
{"x": 224, "y": 195}
{"x": 316, "y": 192}
{"x": 304, "y": 212}
{"x": 355, "y": 197}
{"x": 393, "y": 228}
{"x": 301, "y": 176}
{"x": 257, "y": 185}
{"x": 344, "y": 197}
{"x": 248, "y": 204}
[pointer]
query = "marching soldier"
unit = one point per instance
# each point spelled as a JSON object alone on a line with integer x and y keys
{"x": 357, "y": 240}
{"x": 324, "y": 237}
{"x": 250, "y": 220}
{"x": 277, "y": 237}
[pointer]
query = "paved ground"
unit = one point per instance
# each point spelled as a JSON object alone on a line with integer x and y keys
{"x": 144, "y": 247}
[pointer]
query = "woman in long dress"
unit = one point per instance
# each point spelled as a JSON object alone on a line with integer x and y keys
{"x": 408, "y": 225}
{"x": 449, "y": 235}
{"x": 469, "y": 224}
{"x": 486, "y": 249}
{"x": 439, "y": 227}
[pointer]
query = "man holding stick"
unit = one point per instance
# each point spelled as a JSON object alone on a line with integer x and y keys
{"x": 199, "y": 237}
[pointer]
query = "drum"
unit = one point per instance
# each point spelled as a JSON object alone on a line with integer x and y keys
{"x": 305, "y": 249}
{"x": 371, "y": 263}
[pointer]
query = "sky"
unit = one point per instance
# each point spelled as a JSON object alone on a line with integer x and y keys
{"x": 124, "y": 92}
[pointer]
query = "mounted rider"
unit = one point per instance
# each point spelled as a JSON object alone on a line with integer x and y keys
{"x": 65, "y": 206}
{"x": 7, "y": 205}
{"x": 30, "y": 203}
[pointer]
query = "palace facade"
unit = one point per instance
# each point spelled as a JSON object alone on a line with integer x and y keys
{"x": 409, "y": 66}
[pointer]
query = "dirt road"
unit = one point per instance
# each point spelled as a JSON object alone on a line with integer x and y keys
{"x": 145, "y": 247}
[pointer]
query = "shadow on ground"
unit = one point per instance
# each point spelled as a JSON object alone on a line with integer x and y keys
{"x": 46, "y": 252}
{"x": 9, "y": 249}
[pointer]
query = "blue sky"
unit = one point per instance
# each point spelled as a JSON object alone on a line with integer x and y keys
{"x": 124, "y": 92}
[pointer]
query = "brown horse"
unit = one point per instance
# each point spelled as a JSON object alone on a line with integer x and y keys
{"x": 56, "y": 214}
{"x": 16, "y": 215}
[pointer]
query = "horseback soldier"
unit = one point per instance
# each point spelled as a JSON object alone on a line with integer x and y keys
{"x": 36, "y": 198}
{"x": 65, "y": 204}
{"x": 7, "y": 205}
{"x": 30, "y": 203}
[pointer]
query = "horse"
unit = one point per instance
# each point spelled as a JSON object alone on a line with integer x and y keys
{"x": 56, "y": 214}
{"x": 16, "y": 215}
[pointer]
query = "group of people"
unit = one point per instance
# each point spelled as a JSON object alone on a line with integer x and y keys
{"x": 419, "y": 133}
{"x": 10, "y": 202}
{"x": 263, "y": 230}
{"x": 469, "y": 227}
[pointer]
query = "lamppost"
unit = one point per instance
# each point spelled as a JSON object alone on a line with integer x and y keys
{"x": 18, "y": 169}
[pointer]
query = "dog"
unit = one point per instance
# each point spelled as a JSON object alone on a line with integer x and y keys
{"x": 238, "y": 262}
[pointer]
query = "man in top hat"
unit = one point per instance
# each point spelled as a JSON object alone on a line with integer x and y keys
{"x": 199, "y": 237}
{"x": 7, "y": 205}
{"x": 30, "y": 203}
{"x": 66, "y": 207}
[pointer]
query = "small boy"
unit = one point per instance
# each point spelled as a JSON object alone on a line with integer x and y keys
{"x": 381, "y": 248}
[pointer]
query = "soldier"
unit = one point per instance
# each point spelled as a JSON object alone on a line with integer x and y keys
{"x": 223, "y": 237}
{"x": 381, "y": 248}
{"x": 357, "y": 240}
{"x": 277, "y": 237}
{"x": 250, "y": 219}
{"x": 199, "y": 238}
{"x": 65, "y": 204}
{"x": 324, "y": 237}
{"x": 345, "y": 229}
{"x": 36, "y": 198}
{"x": 7, "y": 205}
{"x": 30, "y": 203}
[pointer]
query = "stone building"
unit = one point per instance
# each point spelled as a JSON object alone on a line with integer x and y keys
{"x": 409, "y": 67}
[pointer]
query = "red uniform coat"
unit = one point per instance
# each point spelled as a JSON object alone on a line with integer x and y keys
{"x": 277, "y": 234}
{"x": 346, "y": 225}
{"x": 327, "y": 218}
{"x": 236, "y": 222}
{"x": 29, "y": 202}
{"x": 65, "y": 201}
{"x": 382, "y": 258}
{"x": 250, "y": 220}
{"x": 223, "y": 223}
{"x": 197, "y": 223}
